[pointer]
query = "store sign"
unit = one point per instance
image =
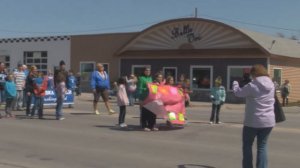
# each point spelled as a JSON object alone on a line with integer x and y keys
{"x": 185, "y": 31}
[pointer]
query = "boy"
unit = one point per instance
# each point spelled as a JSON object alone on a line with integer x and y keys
{"x": 40, "y": 85}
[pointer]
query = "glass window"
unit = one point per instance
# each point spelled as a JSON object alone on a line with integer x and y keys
{"x": 277, "y": 76}
{"x": 36, "y": 58}
{"x": 6, "y": 60}
{"x": 201, "y": 77}
{"x": 170, "y": 71}
{"x": 238, "y": 73}
{"x": 138, "y": 70}
{"x": 86, "y": 69}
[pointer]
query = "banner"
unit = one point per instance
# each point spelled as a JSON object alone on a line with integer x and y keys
{"x": 50, "y": 98}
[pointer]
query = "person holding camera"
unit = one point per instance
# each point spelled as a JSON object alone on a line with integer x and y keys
{"x": 217, "y": 95}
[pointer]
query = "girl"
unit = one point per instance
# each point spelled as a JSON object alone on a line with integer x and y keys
{"x": 10, "y": 93}
{"x": 218, "y": 96}
{"x": 122, "y": 101}
{"x": 170, "y": 81}
{"x": 131, "y": 87}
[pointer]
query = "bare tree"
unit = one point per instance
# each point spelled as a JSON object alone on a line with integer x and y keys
{"x": 280, "y": 35}
{"x": 294, "y": 37}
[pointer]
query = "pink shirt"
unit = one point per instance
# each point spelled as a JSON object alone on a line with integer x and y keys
{"x": 122, "y": 98}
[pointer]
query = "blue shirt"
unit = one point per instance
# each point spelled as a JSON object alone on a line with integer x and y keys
{"x": 10, "y": 89}
{"x": 71, "y": 82}
{"x": 97, "y": 81}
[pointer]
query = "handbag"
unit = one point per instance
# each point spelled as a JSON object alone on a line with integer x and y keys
{"x": 278, "y": 111}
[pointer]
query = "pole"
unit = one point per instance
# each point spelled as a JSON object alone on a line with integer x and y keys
{"x": 196, "y": 12}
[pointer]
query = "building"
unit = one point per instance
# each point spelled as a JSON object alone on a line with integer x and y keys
{"x": 200, "y": 49}
{"x": 43, "y": 52}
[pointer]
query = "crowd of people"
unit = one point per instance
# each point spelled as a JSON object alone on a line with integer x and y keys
{"x": 24, "y": 89}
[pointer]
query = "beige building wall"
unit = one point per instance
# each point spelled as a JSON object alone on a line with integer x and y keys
{"x": 291, "y": 71}
{"x": 98, "y": 48}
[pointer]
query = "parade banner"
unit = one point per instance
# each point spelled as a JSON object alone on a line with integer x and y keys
{"x": 50, "y": 98}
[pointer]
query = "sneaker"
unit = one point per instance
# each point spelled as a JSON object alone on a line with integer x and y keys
{"x": 97, "y": 112}
{"x": 147, "y": 129}
{"x": 210, "y": 122}
{"x": 61, "y": 118}
{"x": 123, "y": 125}
{"x": 155, "y": 129}
{"x": 219, "y": 122}
{"x": 111, "y": 111}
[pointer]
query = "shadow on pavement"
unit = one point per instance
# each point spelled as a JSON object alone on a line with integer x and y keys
{"x": 194, "y": 166}
{"x": 138, "y": 128}
{"x": 82, "y": 113}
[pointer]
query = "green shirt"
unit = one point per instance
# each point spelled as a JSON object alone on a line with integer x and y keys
{"x": 142, "y": 86}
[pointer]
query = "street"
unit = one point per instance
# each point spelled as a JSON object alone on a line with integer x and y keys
{"x": 85, "y": 140}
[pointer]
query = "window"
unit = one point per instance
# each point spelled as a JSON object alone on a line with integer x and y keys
{"x": 86, "y": 69}
{"x": 170, "y": 71}
{"x": 138, "y": 70}
{"x": 38, "y": 59}
{"x": 236, "y": 73}
{"x": 277, "y": 74}
{"x": 201, "y": 77}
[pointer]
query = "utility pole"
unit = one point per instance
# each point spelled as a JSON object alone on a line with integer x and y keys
{"x": 196, "y": 12}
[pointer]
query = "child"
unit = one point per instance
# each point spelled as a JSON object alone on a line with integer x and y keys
{"x": 131, "y": 87}
{"x": 60, "y": 95}
{"x": 170, "y": 81}
{"x": 71, "y": 84}
{"x": 40, "y": 84}
{"x": 122, "y": 101}
{"x": 218, "y": 96}
{"x": 10, "y": 93}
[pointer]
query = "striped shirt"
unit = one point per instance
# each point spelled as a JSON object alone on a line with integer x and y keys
{"x": 20, "y": 80}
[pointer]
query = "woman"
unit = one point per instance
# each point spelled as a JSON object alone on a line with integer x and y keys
{"x": 259, "y": 115}
{"x": 217, "y": 95}
{"x": 30, "y": 89}
{"x": 100, "y": 84}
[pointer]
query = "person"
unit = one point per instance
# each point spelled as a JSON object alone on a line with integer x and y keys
{"x": 26, "y": 72}
{"x": 217, "y": 95}
{"x": 50, "y": 80}
{"x": 71, "y": 85}
{"x": 40, "y": 84}
{"x": 30, "y": 89}
{"x": 131, "y": 87}
{"x": 10, "y": 94}
{"x": 123, "y": 101}
{"x": 285, "y": 92}
{"x": 170, "y": 81}
{"x": 259, "y": 116}
{"x": 246, "y": 79}
{"x": 61, "y": 73}
{"x": 78, "y": 84}
{"x": 61, "y": 90}
{"x": 159, "y": 79}
{"x": 147, "y": 117}
{"x": 100, "y": 85}
{"x": 3, "y": 76}
{"x": 20, "y": 79}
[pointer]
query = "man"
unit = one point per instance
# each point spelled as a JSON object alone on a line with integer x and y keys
{"x": 285, "y": 92}
{"x": 20, "y": 79}
{"x": 61, "y": 70}
{"x": 3, "y": 76}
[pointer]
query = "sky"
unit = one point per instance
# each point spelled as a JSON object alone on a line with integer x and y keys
{"x": 32, "y": 18}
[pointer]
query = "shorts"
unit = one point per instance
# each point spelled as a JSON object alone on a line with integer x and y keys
{"x": 101, "y": 92}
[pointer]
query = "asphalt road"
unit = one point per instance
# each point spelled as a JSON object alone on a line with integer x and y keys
{"x": 85, "y": 140}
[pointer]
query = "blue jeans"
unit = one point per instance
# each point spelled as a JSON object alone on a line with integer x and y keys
{"x": 38, "y": 105}
{"x": 249, "y": 135}
{"x": 131, "y": 98}
{"x": 2, "y": 96}
{"x": 59, "y": 105}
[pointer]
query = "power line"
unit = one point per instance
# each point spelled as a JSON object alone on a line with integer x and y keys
{"x": 253, "y": 24}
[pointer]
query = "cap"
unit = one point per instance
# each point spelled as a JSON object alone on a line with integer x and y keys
{"x": 62, "y": 62}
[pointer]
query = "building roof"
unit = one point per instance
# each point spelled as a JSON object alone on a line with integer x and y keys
{"x": 275, "y": 45}
{"x": 34, "y": 39}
